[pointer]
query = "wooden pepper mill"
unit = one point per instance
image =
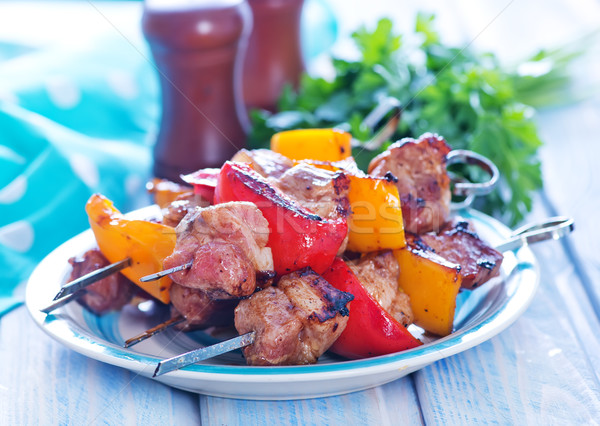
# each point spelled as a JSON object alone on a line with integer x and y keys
{"x": 274, "y": 55}
{"x": 198, "y": 48}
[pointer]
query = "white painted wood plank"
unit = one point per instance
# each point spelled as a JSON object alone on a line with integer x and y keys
{"x": 42, "y": 381}
{"x": 572, "y": 178}
{"x": 391, "y": 404}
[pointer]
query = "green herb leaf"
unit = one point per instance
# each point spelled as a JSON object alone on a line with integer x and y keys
{"x": 467, "y": 97}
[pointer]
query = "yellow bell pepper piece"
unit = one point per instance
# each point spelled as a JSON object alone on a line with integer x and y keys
{"x": 432, "y": 283}
{"x": 313, "y": 144}
{"x": 145, "y": 243}
{"x": 375, "y": 222}
{"x": 165, "y": 191}
{"x": 376, "y": 219}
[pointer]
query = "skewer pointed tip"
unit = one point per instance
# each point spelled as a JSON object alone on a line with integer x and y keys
{"x": 197, "y": 355}
{"x": 59, "y": 294}
{"x": 61, "y": 302}
{"x": 91, "y": 278}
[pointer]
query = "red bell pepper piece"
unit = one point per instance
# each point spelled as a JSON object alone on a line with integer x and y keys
{"x": 204, "y": 182}
{"x": 371, "y": 330}
{"x": 298, "y": 238}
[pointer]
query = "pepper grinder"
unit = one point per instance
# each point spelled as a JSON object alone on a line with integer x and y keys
{"x": 198, "y": 48}
{"x": 274, "y": 55}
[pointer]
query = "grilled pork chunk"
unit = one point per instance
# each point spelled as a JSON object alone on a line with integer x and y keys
{"x": 227, "y": 244}
{"x": 174, "y": 212}
{"x": 199, "y": 309}
{"x": 108, "y": 294}
{"x": 323, "y": 192}
{"x": 295, "y": 322}
{"x": 458, "y": 243}
{"x": 265, "y": 162}
{"x": 423, "y": 182}
{"x": 378, "y": 273}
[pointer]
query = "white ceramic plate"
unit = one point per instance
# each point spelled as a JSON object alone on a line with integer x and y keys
{"x": 480, "y": 315}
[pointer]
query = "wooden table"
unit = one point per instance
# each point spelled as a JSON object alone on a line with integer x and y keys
{"x": 544, "y": 369}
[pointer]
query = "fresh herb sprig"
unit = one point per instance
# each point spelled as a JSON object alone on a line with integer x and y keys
{"x": 467, "y": 97}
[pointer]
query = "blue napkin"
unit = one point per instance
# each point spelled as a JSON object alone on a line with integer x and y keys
{"x": 75, "y": 122}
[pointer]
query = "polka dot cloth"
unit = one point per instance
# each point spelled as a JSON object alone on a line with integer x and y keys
{"x": 81, "y": 126}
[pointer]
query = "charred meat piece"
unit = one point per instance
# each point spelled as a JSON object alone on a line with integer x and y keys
{"x": 458, "y": 243}
{"x": 422, "y": 180}
{"x": 199, "y": 309}
{"x": 108, "y": 294}
{"x": 265, "y": 162}
{"x": 227, "y": 244}
{"x": 181, "y": 206}
{"x": 378, "y": 273}
{"x": 323, "y": 192}
{"x": 295, "y": 322}
{"x": 270, "y": 313}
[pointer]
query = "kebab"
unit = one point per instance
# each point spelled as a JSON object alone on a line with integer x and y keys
{"x": 338, "y": 210}
{"x": 269, "y": 163}
{"x": 280, "y": 164}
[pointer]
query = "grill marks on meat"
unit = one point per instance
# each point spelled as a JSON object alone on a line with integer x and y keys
{"x": 110, "y": 293}
{"x": 458, "y": 243}
{"x": 199, "y": 309}
{"x": 321, "y": 191}
{"x": 227, "y": 244}
{"x": 378, "y": 273}
{"x": 269, "y": 313}
{"x": 295, "y": 322}
{"x": 423, "y": 182}
{"x": 265, "y": 162}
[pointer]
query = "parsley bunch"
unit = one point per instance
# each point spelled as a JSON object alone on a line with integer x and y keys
{"x": 466, "y": 97}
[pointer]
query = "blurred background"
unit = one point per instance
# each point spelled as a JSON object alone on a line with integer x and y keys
{"x": 80, "y": 105}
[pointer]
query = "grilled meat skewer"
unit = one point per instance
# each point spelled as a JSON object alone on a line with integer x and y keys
{"x": 226, "y": 244}
{"x": 293, "y": 323}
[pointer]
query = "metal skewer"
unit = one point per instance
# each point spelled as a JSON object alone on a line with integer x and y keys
{"x": 161, "y": 274}
{"x": 63, "y": 301}
{"x": 154, "y": 330}
{"x": 91, "y": 278}
{"x": 552, "y": 228}
{"x": 201, "y": 354}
